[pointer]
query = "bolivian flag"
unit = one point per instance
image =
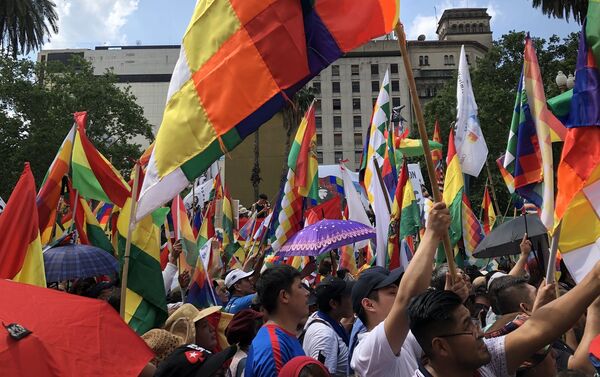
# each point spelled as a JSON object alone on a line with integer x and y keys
{"x": 20, "y": 247}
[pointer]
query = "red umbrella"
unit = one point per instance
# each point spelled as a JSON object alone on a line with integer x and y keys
{"x": 70, "y": 335}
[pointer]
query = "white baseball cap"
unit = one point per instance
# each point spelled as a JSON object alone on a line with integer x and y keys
{"x": 235, "y": 276}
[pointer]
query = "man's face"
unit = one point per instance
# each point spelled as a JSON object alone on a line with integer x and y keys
{"x": 298, "y": 298}
{"x": 346, "y": 306}
{"x": 222, "y": 293}
{"x": 205, "y": 335}
{"x": 383, "y": 305}
{"x": 464, "y": 341}
{"x": 245, "y": 286}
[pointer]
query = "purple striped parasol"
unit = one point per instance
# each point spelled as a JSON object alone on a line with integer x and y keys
{"x": 324, "y": 236}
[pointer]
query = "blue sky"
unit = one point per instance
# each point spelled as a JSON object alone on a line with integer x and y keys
{"x": 86, "y": 23}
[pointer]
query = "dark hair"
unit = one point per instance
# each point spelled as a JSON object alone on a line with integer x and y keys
{"x": 570, "y": 373}
{"x": 473, "y": 272}
{"x": 263, "y": 196}
{"x": 342, "y": 273}
{"x": 506, "y": 293}
{"x": 362, "y": 315}
{"x": 430, "y": 314}
{"x": 312, "y": 370}
{"x": 271, "y": 282}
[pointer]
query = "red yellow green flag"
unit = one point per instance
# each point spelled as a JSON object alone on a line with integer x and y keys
{"x": 20, "y": 248}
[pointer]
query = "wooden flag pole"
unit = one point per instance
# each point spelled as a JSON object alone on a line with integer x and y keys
{"x": 437, "y": 195}
{"x": 134, "y": 195}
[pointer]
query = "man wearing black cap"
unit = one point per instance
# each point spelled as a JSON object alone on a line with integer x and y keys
{"x": 194, "y": 361}
{"x": 324, "y": 336}
{"x": 388, "y": 349}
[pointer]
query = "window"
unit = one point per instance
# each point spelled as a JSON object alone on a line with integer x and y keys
{"x": 421, "y": 61}
{"x": 461, "y": 28}
{"x": 337, "y": 122}
{"x": 395, "y": 85}
{"x": 374, "y": 86}
{"x": 396, "y": 102}
{"x": 317, "y": 105}
{"x": 355, "y": 103}
{"x": 374, "y": 69}
{"x": 337, "y": 104}
{"x": 445, "y": 59}
{"x": 357, "y": 156}
{"x": 335, "y": 87}
{"x": 335, "y": 70}
{"x": 357, "y": 122}
{"x": 320, "y": 157}
{"x": 451, "y": 59}
{"x": 355, "y": 86}
{"x": 319, "y": 140}
{"x": 468, "y": 28}
{"x": 318, "y": 122}
{"x": 337, "y": 140}
{"x": 317, "y": 87}
{"x": 358, "y": 140}
{"x": 338, "y": 156}
{"x": 426, "y": 60}
{"x": 394, "y": 68}
{"x": 354, "y": 69}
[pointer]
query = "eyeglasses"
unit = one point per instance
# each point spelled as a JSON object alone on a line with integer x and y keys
{"x": 455, "y": 334}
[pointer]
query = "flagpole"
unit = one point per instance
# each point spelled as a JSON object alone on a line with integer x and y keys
{"x": 399, "y": 28}
{"x": 125, "y": 274}
{"x": 481, "y": 209}
{"x": 550, "y": 276}
{"x": 490, "y": 179}
{"x": 385, "y": 193}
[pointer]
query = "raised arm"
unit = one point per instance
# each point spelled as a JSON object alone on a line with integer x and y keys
{"x": 525, "y": 247}
{"x": 417, "y": 277}
{"x": 580, "y": 360}
{"x": 551, "y": 320}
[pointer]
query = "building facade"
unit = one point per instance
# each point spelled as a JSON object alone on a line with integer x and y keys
{"x": 346, "y": 90}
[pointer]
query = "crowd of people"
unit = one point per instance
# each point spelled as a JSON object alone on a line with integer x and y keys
{"x": 414, "y": 321}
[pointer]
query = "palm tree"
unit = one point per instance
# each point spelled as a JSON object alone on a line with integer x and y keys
{"x": 24, "y": 24}
{"x": 563, "y": 8}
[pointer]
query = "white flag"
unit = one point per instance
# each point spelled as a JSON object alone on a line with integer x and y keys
{"x": 2, "y": 205}
{"x": 470, "y": 144}
{"x": 382, "y": 216}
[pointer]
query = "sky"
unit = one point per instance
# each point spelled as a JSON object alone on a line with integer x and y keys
{"x": 86, "y": 23}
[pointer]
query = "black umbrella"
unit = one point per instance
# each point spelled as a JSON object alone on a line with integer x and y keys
{"x": 505, "y": 239}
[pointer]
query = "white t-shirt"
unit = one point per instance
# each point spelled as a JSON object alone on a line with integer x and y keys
{"x": 497, "y": 367}
{"x": 322, "y": 337}
{"x": 373, "y": 355}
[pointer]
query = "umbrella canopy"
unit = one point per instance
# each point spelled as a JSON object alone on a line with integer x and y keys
{"x": 70, "y": 335}
{"x": 505, "y": 239}
{"x": 324, "y": 236}
{"x": 78, "y": 261}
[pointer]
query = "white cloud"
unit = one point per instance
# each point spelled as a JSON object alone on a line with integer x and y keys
{"x": 85, "y": 23}
{"x": 427, "y": 24}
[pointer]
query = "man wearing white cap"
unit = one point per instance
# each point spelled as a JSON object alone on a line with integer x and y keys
{"x": 241, "y": 289}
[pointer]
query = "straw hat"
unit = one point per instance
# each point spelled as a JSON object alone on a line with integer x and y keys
{"x": 206, "y": 312}
{"x": 185, "y": 329}
{"x": 162, "y": 343}
{"x": 188, "y": 311}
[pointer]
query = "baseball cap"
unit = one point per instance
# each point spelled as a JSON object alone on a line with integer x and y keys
{"x": 236, "y": 275}
{"x": 372, "y": 279}
{"x": 332, "y": 287}
{"x": 192, "y": 360}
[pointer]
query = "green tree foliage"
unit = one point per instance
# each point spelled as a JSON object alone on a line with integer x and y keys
{"x": 37, "y": 103}
{"x": 495, "y": 83}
